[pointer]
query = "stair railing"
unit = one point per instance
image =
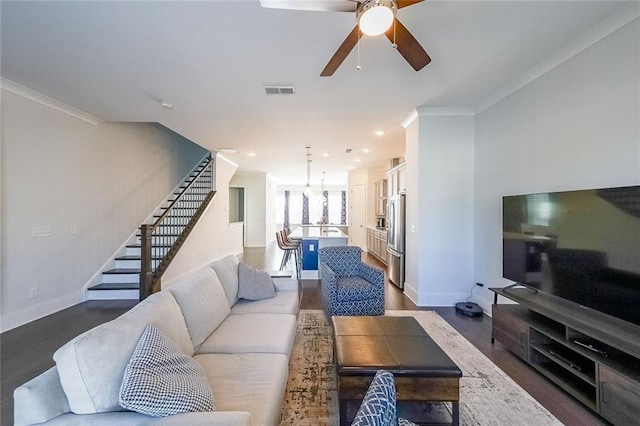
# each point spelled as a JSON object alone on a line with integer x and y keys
{"x": 161, "y": 240}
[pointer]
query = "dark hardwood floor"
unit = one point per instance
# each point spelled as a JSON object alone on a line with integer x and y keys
{"x": 27, "y": 351}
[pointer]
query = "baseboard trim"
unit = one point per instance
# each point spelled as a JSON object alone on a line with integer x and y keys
{"x": 23, "y": 316}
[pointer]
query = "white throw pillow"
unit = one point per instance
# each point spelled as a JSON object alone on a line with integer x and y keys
{"x": 254, "y": 284}
{"x": 160, "y": 380}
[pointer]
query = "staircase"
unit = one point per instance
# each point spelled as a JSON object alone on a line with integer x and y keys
{"x": 626, "y": 198}
{"x": 171, "y": 225}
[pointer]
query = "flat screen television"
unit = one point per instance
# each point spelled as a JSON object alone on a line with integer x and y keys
{"x": 582, "y": 246}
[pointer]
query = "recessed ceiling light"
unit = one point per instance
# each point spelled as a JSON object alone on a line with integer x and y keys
{"x": 380, "y": 132}
{"x": 325, "y": 154}
{"x": 252, "y": 154}
{"x": 166, "y": 105}
{"x": 228, "y": 151}
{"x": 357, "y": 160}
{"x": 366, "y": 150}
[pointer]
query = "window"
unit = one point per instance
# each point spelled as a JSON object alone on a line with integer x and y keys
{"x": 335, "y": 207}
{"x": 236, "y": 205}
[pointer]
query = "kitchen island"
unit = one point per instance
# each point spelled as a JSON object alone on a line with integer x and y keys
{"x": 314, "y": 238}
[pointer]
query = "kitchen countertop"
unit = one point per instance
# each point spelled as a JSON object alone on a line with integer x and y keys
{"x": 304, "y": 232}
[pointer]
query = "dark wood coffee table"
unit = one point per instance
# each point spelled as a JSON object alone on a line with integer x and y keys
{"x": 364, "y": 345}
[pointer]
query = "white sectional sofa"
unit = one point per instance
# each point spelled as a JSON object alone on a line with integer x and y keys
{"x": 244, "y": 347}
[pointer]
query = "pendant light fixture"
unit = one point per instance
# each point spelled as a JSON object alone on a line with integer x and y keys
{"x": 307, "y": 189}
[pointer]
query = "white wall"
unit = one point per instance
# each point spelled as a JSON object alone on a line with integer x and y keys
{"x": 271, "y": 200}
{"x": 255, "y": 201}
{"x": 413, "y": 199}
{"x": 576, "y": 127}
{"x": 439, "y": 217}
{"x": 213, "y": 237}
{"x": 63, "y": 173}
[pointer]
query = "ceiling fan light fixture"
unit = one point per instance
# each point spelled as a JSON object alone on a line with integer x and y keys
{"x": 374, "y": 17}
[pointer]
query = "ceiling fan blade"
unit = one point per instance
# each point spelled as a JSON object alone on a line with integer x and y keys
{"x": 405, "y": 3}
{"x": 315, "y": 5}
{"x": 343, "y": 51}
{"x": 408, "y": 46}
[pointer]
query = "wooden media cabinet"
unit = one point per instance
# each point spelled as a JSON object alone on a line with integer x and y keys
{"x": 591, "y": 355}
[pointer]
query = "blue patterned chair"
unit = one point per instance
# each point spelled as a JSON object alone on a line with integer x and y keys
{"x": 349, "y": 286}
{"x": 378, "y": 407}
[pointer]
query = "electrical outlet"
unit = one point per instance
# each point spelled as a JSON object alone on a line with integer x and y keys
{"x": 74, "y": 229}
{"x": 34, "y": 292}
{"x": 312, "y": 247}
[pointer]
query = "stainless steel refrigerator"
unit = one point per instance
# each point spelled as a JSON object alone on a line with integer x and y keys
{"x": 395, "y": 239}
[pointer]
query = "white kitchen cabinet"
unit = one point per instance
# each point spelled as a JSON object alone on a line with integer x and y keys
{"x": 397, "y": 180}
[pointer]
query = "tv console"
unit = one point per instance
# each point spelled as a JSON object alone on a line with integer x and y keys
{"x": 592, "y": 356}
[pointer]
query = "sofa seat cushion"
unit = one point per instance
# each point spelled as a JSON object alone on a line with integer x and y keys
{"x": 353, "y": 289}
{"x": 250, "y": 382}
{"x": 91, "y": 366}
{"x": 285, "y": 302}
{"x": 227, "y": 272}
{"x": 202, "y": 301}
{"x": 271, "y": 333}
{"x": 161, "y": 381}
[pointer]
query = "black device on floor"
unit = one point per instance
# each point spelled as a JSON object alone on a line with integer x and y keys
{"x": 469, "y": 309}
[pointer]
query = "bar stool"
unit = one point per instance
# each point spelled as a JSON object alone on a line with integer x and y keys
{"x": 288, "y": 248}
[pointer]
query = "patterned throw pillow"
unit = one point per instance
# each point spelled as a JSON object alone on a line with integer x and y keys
{"x": 160, "y": 380}
{"x": 254, "y": 284}
{"x": 379, "y": 405}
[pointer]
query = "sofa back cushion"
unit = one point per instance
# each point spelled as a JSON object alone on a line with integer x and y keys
{"x": 227, "y": 271}
{"x": 92, "y": 365}
{"x": 203, "y": 303}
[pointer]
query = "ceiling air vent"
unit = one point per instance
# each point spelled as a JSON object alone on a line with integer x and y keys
{"x": 279, "y": 90}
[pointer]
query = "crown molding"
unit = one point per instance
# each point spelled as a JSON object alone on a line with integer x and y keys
{"x": 45, "y": 100}
{"x": 445, "y": 112}
{"x": 413, "y": 115}
{"x": 604, "y": 28}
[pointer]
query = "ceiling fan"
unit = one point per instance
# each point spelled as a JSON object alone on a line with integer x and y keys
{"x": 373, "y": 17}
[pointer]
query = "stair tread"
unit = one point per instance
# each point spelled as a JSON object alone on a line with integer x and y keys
{"x": 122, "y": 271}
{"x": 180, "y": 208}
{"x": 152, "y": 246}
{"x": 116, "y": 286}
{"x": 137, "y": 257}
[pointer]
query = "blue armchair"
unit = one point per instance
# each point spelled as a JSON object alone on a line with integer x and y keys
{"x": 349, "y": 286}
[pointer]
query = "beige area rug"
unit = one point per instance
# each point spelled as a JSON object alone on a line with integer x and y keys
{"x": 487, "y": 395}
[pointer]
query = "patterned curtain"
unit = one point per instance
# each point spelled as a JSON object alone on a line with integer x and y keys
{"x": 325, "y": 207}
{"x": 305, "y": 209}
{"x": 343, "y": 209}
{"x": 286, "y": 210}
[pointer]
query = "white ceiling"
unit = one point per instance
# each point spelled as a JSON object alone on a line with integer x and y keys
{"x": 211, "y": 59}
